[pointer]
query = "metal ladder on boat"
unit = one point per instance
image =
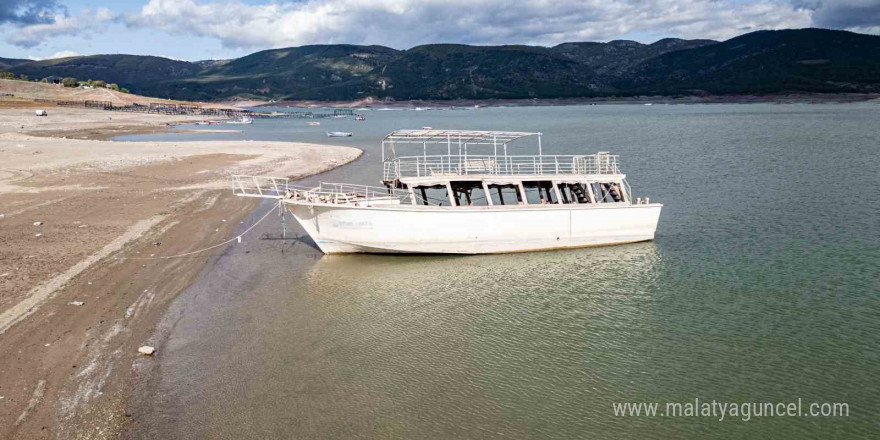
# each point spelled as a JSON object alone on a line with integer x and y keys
{"x": 578, "y": 191}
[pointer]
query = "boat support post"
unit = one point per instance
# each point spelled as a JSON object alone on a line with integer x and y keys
{"x": 283, "y": 225}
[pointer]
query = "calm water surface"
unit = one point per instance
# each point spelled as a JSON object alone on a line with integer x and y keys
{"x": 761, "y": 286}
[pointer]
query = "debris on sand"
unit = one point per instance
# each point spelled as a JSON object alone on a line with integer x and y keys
{"x": 76, "y": 303}
{"x": 146, "y": 350}
{"x": 38, "y": 223}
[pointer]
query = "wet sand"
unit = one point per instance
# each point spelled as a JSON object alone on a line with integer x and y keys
{"x": 72, "y": 205}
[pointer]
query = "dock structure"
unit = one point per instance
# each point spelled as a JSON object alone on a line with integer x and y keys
{"x": 164, "y": 108}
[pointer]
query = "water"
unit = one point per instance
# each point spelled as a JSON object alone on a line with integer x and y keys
{"x": 761, "y": 286}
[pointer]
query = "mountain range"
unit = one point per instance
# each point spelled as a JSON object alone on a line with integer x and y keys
{"x": 762, "y": 62}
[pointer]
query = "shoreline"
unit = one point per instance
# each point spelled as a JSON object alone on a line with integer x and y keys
{"x": 787, "y": 98}
{"x": 71, "y": 367}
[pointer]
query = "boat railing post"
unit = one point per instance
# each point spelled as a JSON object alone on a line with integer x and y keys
{"x": 459, "y": 154}
{"x": 465, "y": 159}
{"x": 540, "y": 152}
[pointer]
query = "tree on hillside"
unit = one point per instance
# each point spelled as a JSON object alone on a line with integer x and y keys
{"x": 99, "y": 83}
{"x": 113, "y": 86}
{"x": 124, "y": 90}
{"x": 6, "y": 75}
{"x": 23, "y": 77}
{"x": 69, "y": 82}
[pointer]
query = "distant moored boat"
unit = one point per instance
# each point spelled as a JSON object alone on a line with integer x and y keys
{"x": 241, "y": 120}
{"x": 334, "y": 134}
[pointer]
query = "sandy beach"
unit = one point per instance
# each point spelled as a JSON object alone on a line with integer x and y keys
{"x": 74, "y": 208}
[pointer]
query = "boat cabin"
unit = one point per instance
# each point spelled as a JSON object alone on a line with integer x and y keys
{"x": 479, "y": 168}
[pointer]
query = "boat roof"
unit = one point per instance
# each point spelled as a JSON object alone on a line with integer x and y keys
{"x": 462, "y": 136}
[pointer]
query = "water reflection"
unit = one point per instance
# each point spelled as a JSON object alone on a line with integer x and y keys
{"x": 444, "y": 346}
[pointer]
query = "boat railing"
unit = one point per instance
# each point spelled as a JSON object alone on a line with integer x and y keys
{"x": 260, "y": 186}
{"x": 336, "y": 193}
{"x": 344, "y": 193}
{"x": 458, "y": 165}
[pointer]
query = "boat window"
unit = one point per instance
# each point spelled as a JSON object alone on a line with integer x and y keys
{"x": 469, "y": 193}
{"x": 577, "y": 192}
{"x": 431, "y": 195}
{"x": 505, "y": 194}
{"x": 607, "y": 192}
{"x": 540, "y": 192}
{"x": 566, "y": 197}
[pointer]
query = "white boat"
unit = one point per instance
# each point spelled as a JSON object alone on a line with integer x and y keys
{"x": 471, "y": 198}
{"x": 241, "y": 120}
{"x": 336, "y": 134}
{"x": 360, "y": 118}
{"x": 313, "y": 123}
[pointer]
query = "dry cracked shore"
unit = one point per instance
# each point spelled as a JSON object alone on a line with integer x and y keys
{"x": 70, "y": 208}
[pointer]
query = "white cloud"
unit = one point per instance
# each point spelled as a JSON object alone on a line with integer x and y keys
{"x": 61, "y": 54}
{"x": 405, "y": 23}
{"x": 60, "y": 25}
{"x": 861, "y": 16}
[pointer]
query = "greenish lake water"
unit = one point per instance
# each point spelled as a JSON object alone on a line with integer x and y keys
{"x": 763, "y": 285}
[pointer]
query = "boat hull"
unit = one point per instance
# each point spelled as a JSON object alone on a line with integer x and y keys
{"x": 472, "y": 230}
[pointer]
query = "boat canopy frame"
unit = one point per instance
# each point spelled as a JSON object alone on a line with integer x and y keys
{"x": 458, "y": 138}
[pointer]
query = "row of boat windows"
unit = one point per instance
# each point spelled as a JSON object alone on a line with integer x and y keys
{"x": 470, "y": 193}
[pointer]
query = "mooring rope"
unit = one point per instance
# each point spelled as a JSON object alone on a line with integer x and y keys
{"x": 237, "y": 237}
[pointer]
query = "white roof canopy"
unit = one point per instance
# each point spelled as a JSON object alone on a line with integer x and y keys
{"x": 461, "y": 139}
{"x": 465, "y": 136}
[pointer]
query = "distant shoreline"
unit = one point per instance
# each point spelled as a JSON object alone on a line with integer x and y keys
{"x": 788, "y": 98}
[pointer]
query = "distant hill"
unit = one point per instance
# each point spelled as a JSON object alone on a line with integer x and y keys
{"x": 132, "y": 70}
{"x": 6, "y": 63}
{"x": 807, "y": 60}
{"x": 804, "y": 60}
{"x": 278, "y": 73}
{"x": 619, "y": 56}
{"x": 447, "y": 71}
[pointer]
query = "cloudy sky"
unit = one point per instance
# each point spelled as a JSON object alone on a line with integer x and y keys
{"x": 219, "y": 29}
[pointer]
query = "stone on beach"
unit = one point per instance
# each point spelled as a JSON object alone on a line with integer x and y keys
{"x": 76, "y": 303}
{"x": 146, "y": 350}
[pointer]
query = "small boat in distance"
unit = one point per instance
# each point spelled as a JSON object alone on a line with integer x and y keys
{"x": 337, "y": 134}
{"x": 468, "y": 192}
{"x": 360, "y": 118}
{"x": 427, "y": 128}
{"x": 313, "y": 123}
{"x": 241, "y": 120}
